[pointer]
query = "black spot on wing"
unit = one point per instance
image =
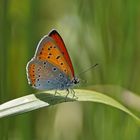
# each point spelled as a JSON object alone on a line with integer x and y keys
{"x": 57, "y": 57}
{"x": 54, "y": 68}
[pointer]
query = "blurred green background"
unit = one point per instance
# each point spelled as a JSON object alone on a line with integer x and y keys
{"x": 103, "y": 31}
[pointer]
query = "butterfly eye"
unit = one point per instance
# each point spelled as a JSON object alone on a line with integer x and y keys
{"x": 48, "y": 81}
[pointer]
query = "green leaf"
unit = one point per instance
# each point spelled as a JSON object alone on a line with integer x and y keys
{"x": 47, "y": 98}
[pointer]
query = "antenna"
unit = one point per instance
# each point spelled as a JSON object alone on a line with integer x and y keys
{"x": 91, "y": 67}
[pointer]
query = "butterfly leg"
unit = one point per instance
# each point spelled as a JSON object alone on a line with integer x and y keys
{"x": 73, "y": 94}
{"x": 56, "y": 93}
{"x": 67, "y": 94}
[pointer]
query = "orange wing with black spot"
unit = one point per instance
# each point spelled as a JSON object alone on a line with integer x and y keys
{"x": 60, "y": 43}
{"x": 31, "y": 74}
{"x": 48, "y": 50}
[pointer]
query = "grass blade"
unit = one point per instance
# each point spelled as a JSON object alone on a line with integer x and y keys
{"x": 47, "y": 98}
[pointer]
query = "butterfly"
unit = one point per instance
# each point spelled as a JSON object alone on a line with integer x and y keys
{"x": 51, "y": 67}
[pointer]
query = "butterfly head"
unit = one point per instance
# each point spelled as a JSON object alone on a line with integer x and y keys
{"x": 75, "y": 80}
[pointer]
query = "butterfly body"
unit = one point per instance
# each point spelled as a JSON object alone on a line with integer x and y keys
{"x": 51, "y": 67}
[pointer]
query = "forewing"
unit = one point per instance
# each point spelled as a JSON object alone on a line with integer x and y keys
{"x": 60, "y": 43}
{"x": 48, "y": 50}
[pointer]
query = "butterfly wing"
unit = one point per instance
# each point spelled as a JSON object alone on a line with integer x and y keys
{"x": 48, "y": 50}
{"x": 51, "y": 67}
{"x": 60, "y": 43}
{"x": 43, "y": 75}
